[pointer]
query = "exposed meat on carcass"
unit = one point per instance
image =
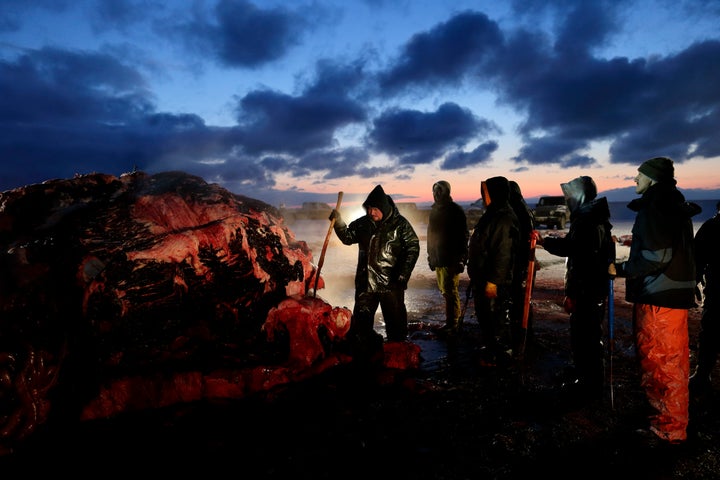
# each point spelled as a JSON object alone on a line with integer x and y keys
{"x": 139, "y": 291}
{"x": 305, "y": 318}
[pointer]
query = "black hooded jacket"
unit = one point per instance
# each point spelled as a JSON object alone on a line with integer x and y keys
{"x": 494, "y": 242}
{"x": 447, "y": 233}
{"x": 387, "y": 251}
{"x": 660, "y": 270}
{"x": 588, "y": 245}
{"x": 707, "y": 259}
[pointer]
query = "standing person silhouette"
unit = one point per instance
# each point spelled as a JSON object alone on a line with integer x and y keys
{"x": 388, "y": 249}
{"x": 491, "y": 260}
{"x": 660, "y": 281}
{"x": 707, "y": 264}
{"x": 589, "y": 249}
{"x": 447, "y": 245}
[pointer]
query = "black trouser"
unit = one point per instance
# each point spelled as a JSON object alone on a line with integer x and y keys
{"x": 709, "y": 337}
{"x": 392, "y": 305}
{"x": 586, "y": 341}
{"x": 493, "y": 316}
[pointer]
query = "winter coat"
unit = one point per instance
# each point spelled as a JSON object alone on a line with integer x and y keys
{"x": 660, "y": 270}
{"x": 589, "y": 249}
{"x": 707, "y": 258}
{"x": 387, "y": 251}
{"x": 447, "y": 233}
{"x": 494, "y": 242}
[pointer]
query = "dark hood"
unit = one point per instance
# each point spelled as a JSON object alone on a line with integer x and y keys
{"x": 495, "y": 190}
{"x": 579, "y": 191}
{"x": 379, "y": 199}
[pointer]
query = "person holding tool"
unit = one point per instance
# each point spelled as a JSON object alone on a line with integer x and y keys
{"x": 447, "y": 245}
{"x": 590, "y": 249}
{"x": 388, "y": 249}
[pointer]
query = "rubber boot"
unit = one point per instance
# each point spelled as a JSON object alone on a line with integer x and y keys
{"x": 452, "y": 325}
{"x": 450, "y": 328}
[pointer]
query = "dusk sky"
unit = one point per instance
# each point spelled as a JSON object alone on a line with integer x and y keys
{"x": 290, "y": 101}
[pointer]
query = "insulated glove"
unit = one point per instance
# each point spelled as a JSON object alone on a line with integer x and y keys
{"x": 490, "y": 290}
{"x": 619, "y": 269}
{"x": 612, "y": 271}
{"x": 402, "y": 282}
{"x": 335, "y": 215}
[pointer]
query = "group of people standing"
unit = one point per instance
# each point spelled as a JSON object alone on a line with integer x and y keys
{"x": 663, "y": 271}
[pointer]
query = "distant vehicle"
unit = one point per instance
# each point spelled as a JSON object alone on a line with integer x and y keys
{"x": 552, "y": 211}
{"x": 308, "y": 211}
{"x": 411, "y": 211}
{"x": 474, "y": 212}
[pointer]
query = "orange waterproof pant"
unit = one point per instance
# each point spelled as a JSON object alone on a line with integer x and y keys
{"x": 662, "y": 341}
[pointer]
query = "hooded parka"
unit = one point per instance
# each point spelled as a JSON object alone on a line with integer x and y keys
{"x": 387, "y": 253}
{"x": 589, "y": 249}
{"x": 491, "y": 260}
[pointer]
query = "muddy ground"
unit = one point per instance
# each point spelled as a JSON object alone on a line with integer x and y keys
{"x": 450, "y": 419}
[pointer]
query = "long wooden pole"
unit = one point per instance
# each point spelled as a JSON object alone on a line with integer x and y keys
{"x": 325, "y": 244}
{"x": 528, "y": 290}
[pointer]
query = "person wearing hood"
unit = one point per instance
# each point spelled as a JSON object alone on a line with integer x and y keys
{"x": 660, "y": 281}
{"x": 447, "y": 244}
{"x": 589, "y": 249}
{"x": 491, "y": 261}
{"x": 388, "y": 249}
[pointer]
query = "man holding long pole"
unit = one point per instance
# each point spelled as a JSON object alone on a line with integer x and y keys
{"x": 388, "y": 249}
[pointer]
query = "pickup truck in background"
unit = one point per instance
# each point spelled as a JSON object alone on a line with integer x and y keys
{"x": 552, "y": 211}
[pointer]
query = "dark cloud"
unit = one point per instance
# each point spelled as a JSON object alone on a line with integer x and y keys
{"x": 658, "y": 106}
{"x": 461, "y": 159}
{"x": 276, "y": 122}
{"x": 13, "y": 12}
{"x": 242, "y": 35}
{"x": 336, "y": 163}
{"x": 443, "y": 55}
{"x": 416, "y": 137}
